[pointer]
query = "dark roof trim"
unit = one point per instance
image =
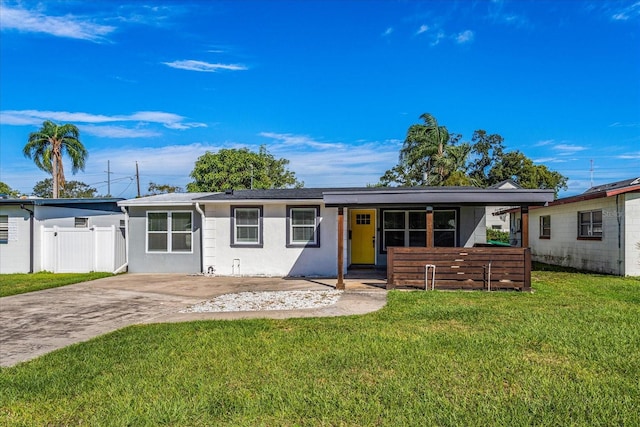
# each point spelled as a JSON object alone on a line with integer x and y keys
{"x": 110, "y": 204}
{"x": 389, "y": 196}
{"x": 439, "y": 195}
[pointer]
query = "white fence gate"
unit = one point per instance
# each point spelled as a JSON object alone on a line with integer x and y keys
{"x": 82, "y": 250}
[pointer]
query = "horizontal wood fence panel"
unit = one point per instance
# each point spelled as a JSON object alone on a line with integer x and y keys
{"x": 460, "y": 268}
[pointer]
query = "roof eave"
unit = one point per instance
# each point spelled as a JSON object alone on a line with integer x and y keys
{"x": 483, "y": 197}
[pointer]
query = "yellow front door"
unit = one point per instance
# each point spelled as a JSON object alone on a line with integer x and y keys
{"x": 363, "y": 235}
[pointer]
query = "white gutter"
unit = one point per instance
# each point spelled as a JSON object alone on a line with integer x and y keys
{"x": 124, "y": 266}
{"x": 201, "y": 212}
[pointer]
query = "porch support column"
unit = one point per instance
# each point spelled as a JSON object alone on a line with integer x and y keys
{"x": 429, "y": 239}
{"x": 524, "y": 225}
{"x": 340, "y": 283}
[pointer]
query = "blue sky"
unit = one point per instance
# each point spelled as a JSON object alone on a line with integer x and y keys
{"x": 330, "y": 85}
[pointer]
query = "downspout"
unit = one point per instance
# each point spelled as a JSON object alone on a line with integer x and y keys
{"x": 31, "y": 245}
{"x": 620, "y": 256}
{"x": 124, "y": 266}
{"x": 201, "y": 212}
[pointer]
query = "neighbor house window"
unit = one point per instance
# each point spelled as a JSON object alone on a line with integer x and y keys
{"x": 80, "y": 222}
{"x": 169, "y": 231}
{"x": 4, "y": 228}
{"x": 545, "y": 227}
{"x": 246, "y": 226}
{"x": 404, "y": 228}
{"x": 444, "y": 228}
{"x": 303, "y": 226}
{"x": 590, "y": 225}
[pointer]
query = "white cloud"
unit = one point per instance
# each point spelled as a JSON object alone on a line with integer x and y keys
{"x": 206, "y": 67}
{"x": 36, "y": 117}
{"x": 289, "y": 140}
{"x": 632, "y": 11}
{"x": 629, "y": 156}
{"x": 67, "y": 26}
{"x": 387, "y": 32}
{"x": 318, "y": 164}
{"x": 624, "y": 125}
{"x": 322, "y": 164}
{"x": 549, "y": 160}
{"x": 117, "y": 132}
{"x": 543, "y": 143}
{"x": 422, "y": 29}
{"x": 567, "y": 149}
{"x": 438, "y": 38}
{"x": 465, "y": 37}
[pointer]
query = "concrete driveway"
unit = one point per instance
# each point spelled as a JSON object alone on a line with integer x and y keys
{"x": 36, "y": 323}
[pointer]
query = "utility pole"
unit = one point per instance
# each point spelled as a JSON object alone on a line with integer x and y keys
{"x": 108, "y": 171}
{"x": 251, "y": 176}
{"x": 591, "y": 170}
{"x": 138, "y": 178}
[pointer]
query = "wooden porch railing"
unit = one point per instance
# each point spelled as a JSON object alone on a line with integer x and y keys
{"x": 488, "y": 268}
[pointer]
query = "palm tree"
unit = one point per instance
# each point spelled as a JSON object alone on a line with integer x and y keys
{"x": 424, "y": 144}
{"x": 47, "y": 146}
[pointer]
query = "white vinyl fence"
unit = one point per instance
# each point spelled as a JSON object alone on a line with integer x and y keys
{"x": 82, "y": 250}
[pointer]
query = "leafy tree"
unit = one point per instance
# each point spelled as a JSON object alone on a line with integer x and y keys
{"x": 424, "y": 145}
{"x": 487, "y": 151}
{"x": 47, "y": 146}
{"x": 431, "y": 155}
{"x": 5, "y": 189}
{"x": 71, "y": 190}
{"x": 517, "y": 167}
{"x": 155, "y": 189}
{"x": 241, "y": 169}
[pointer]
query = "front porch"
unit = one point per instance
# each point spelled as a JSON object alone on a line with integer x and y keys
{"x": 442, "y": 228}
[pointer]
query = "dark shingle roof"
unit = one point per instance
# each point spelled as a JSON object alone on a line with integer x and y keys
{"x": 279, "y": 193}
{"x": 101, "y": 204}
{"x": 614, "y": 185}
{"x": 388, "y": 195}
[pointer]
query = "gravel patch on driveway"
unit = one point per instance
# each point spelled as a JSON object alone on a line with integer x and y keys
{"x": 259, "y": 301}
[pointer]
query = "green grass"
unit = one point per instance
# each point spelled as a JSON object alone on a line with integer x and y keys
{"x": 566, "y": 354}
{"x": 13, "y": 284}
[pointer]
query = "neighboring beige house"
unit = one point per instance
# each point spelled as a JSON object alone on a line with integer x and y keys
{"x": 598, "y": 230}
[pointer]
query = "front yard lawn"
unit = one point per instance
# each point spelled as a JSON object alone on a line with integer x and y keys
{"x": 13, "y": 284}
{"x": 566, "y": 354}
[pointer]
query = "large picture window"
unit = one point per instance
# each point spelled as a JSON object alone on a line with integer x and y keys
{"x": 590, "y": 225}
{"x": 409, "y": 228}
{"x": 303, "y": 226}
{"x": 169, "y": 231}
{"x": 404, "y": 228}
{"x": 246, "y": 225}
{"x": 444, "y": 228}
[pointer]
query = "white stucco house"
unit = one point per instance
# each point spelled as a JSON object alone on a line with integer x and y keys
{"x": 598, "y": 230}
{"x": 61, "y": 235}
{"x": 306, "y": 231}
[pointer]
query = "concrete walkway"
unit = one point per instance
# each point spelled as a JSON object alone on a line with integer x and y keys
{"x": 36, "y": 323}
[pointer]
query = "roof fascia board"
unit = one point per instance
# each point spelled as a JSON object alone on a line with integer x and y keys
{"x": 623, "y": 190}
{"x": 260, "y": 201}
{"x": 485, "y": 197}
